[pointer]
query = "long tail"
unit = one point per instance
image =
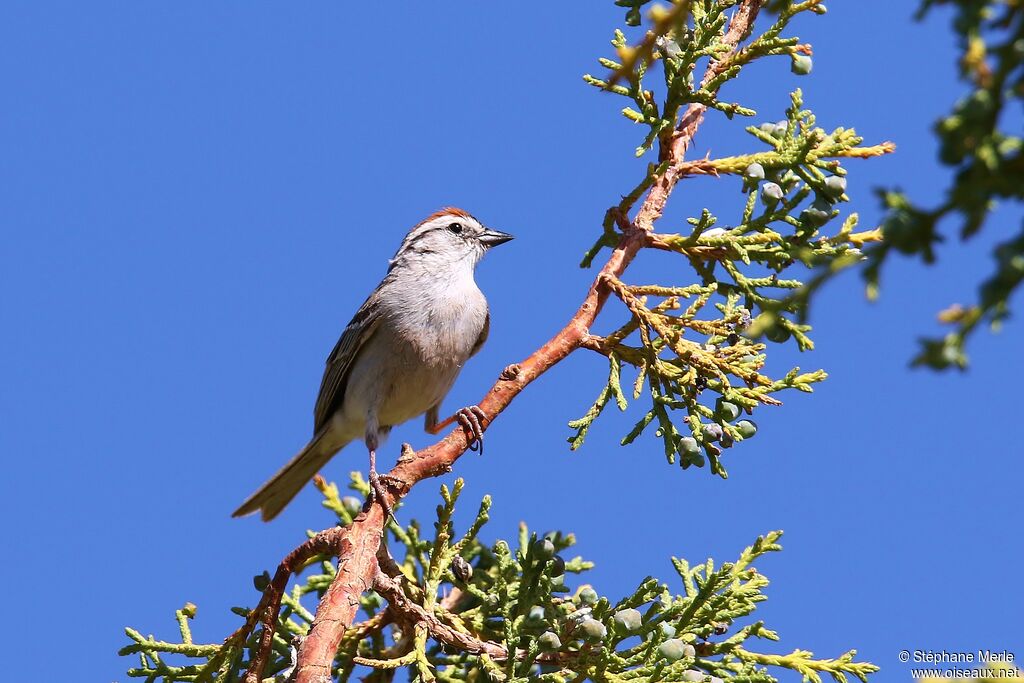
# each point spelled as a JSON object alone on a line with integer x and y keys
{"x": 274, "y": 495}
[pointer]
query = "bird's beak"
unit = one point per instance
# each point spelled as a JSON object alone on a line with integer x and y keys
{"x": 492, "y": 238}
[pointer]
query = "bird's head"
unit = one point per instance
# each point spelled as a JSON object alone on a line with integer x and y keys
{"x": 449, "y": 236}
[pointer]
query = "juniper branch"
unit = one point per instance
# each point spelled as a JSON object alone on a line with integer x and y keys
{"x": 801, "y": 154}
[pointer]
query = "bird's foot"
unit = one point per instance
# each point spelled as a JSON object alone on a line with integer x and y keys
{"x": 511, "y": 372}
{"x": 379, "y": 494}
{"x": 470, "y": 418}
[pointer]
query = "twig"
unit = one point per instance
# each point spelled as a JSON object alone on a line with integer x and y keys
{"x": 414, "y": 614}
{"x": 440, "y": 631}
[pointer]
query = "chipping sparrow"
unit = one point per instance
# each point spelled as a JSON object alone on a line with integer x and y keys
{"x": 400, "y": 354}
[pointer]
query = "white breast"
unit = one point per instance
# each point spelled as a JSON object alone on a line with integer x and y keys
{"x": 428, "y": 331}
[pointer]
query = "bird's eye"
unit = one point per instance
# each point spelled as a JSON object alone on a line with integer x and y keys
{"x": 455, "y": 228}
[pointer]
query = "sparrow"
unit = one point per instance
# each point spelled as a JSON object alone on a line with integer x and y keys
{"x": 399, "y": 356}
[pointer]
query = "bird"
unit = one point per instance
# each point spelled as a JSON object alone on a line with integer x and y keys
{"x": 399, "y": 356}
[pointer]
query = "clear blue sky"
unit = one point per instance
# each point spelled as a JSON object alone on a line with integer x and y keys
{"x": 197, "y": 196}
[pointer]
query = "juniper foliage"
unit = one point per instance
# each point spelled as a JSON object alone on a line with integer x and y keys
{"x": 699, "y": 348}
{"x": 980, "y": 141}
{"x": 524, "y": 598}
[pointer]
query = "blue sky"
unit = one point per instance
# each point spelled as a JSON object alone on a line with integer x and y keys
{"x": 197, "y": 196}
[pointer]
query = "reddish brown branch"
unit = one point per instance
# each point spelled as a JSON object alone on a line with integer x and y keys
{"x": 326, "y": 542}
{"x": 357, "y": 565}
{"x": 357, "y": 545}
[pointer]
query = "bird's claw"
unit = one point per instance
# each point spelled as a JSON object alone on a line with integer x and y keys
{"x": 510, "y": 372}
{"x": 379, "y": 494}
{"x": 470, "y": 418}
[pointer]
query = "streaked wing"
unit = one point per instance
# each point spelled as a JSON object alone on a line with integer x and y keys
{"x": 339, "y": 363}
